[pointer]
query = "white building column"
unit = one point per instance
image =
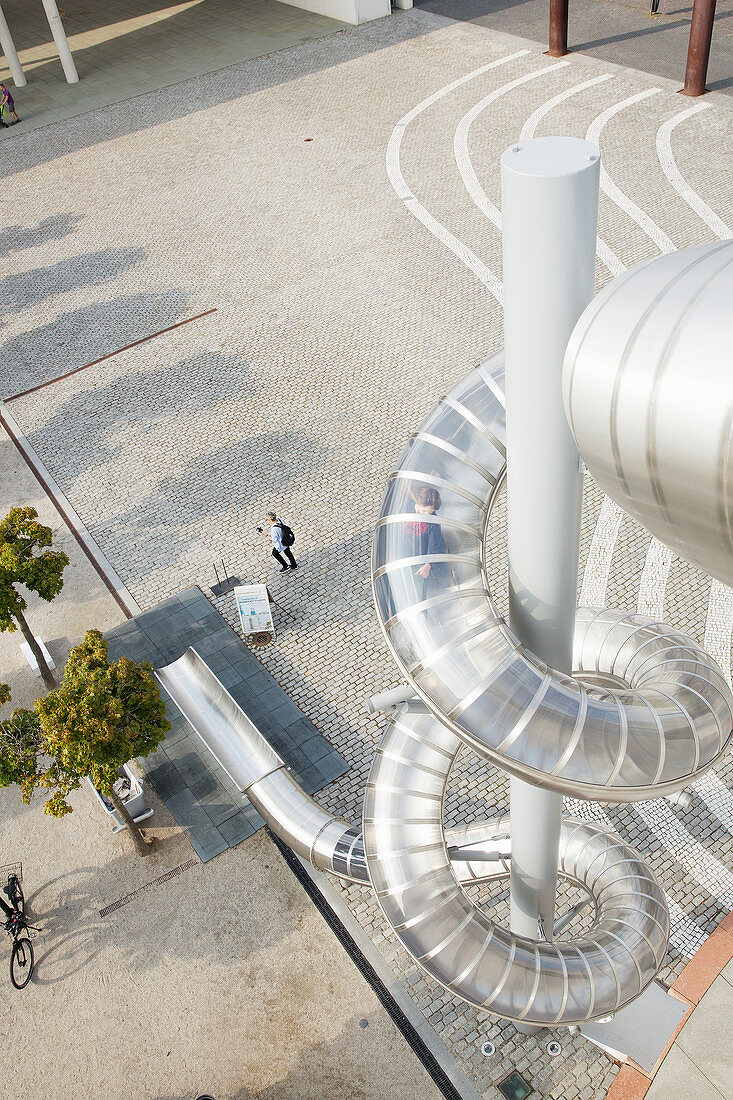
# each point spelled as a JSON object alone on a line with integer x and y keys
{"x": 8, "y": 47}
{"x": 549, "y": 212}
{"x": 59, "y": 37}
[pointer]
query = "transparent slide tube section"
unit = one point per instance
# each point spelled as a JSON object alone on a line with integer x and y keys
{"x": 654, "y": 710}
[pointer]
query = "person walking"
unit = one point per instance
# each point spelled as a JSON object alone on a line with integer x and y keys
{"x": 282, "y": 540}
{"x": 7, "y": 106}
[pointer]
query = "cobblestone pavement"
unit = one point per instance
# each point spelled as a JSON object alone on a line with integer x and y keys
{"x": 622, "y": 32}
{"x": 122, "y": 48}
{"x": 349, "y": 296}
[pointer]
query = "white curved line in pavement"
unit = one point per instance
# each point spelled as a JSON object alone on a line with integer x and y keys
{"x": 600, "y": 555}
{"x": 711, "y": 873}
{"x": 608, "y": 258}
{"x": 653, "y": 580}
{"x": 465, "y": 165}
{"x": 396, "y": 178}
{"x": 716, "y": 796}
{"x": 673, "y": 174}
{"x": 719, "y": 625}
{"x": 650, "y": 227}
{"x": 535, "y": 118}
{"x": 460, "y": 141}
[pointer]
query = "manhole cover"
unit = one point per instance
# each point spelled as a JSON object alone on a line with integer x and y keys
{"x": 514, "y": 1087}
{"x": 260, "y": 639}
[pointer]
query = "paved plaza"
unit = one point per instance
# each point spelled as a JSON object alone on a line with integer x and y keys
{"x": 326, "y": 220}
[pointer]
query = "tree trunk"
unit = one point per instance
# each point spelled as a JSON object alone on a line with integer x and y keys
{"x": 46, "y": 675}
{"x": 143, "y": 847}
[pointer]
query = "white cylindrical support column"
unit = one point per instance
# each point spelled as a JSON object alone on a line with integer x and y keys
{"x": 59, "y": 37}
{"x": 8, "y": 47}
{"x": 549, "y": 211}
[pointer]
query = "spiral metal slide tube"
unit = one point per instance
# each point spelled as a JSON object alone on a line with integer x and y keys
{"x": 647, "y": 712}
{"x": 669, "y": 713}
{"x": 542, "y": 983}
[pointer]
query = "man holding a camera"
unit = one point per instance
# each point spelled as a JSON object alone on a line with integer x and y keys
{"x": 282, "y": 539}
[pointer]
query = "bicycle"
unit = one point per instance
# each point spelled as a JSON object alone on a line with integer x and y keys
{"x": 17, "y": 927}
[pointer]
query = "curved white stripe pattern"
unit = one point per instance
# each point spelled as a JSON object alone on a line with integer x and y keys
{"x": 460, "y": 141}
{"x": 716, "y": 796}
{"x": 653, "y": 582}
{"x": 468, "y": 174}
{"x": 710, "y": 872}
{"x": 650, "y": 227}
{"x": 719, "y": 625}
{"x": 673, "y": 174}
{"x": 608, "y": 258}
{"x": 397, "y": 179}
{"x": 536, "y": 117}
{"x": 600, "y": 555}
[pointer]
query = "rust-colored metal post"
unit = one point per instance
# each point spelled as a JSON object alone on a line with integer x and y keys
{"x": 558, "y": 28}
{"x": 698, "y": 52}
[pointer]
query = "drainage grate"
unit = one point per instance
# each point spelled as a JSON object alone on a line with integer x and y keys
{"x": 155, "y": 882}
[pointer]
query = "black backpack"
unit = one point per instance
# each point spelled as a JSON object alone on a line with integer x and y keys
{"x": 287, "y": 533}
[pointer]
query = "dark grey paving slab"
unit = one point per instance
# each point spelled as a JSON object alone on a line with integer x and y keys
{"x": 197, "y": 791}
{"x": 236, "y": 829}
{"x": 208, "y": 843}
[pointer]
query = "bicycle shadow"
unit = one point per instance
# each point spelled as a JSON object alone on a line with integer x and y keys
{"x": 68, "y": 925}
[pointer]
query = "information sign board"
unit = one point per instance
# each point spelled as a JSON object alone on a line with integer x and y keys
{"x": 253, "y": 605}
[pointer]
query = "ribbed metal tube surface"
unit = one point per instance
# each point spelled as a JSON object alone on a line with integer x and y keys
{"x": 648, "y": 393}
{"x": 329, "y": 842}
{"x": 562, "y": 982}
{"x": 669, "y": 716}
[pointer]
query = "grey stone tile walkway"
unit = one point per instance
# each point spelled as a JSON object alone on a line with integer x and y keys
{"x": 123, "y": 48}
{"x": 198, "y": 792}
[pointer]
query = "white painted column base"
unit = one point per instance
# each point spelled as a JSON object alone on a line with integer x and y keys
{"x": 27, "y": 652}
{"x": 347, "y": 11}
{"x": 8, "y": 48}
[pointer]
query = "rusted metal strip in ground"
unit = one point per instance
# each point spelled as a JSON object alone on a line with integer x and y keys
{"x": 109, "y": 355}
{"x": 84, "y": 538}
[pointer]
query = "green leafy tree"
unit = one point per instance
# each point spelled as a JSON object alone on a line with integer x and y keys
{"x": 20, "y": 745}
{"x": 25, "y": 559}
{"x": 100, "y": 717}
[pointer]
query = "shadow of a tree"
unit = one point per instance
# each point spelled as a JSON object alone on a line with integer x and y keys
{"x": 14, "y": 238}
{"x": 170, "y": 514}
{"x": 27, "y": 288}
{"x": 42, "y": 353}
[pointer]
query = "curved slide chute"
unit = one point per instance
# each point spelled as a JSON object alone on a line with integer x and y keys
{"x": 650, "y": 708}
{"x": 646, "y": 711}
{"x": 328, "y": 842}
